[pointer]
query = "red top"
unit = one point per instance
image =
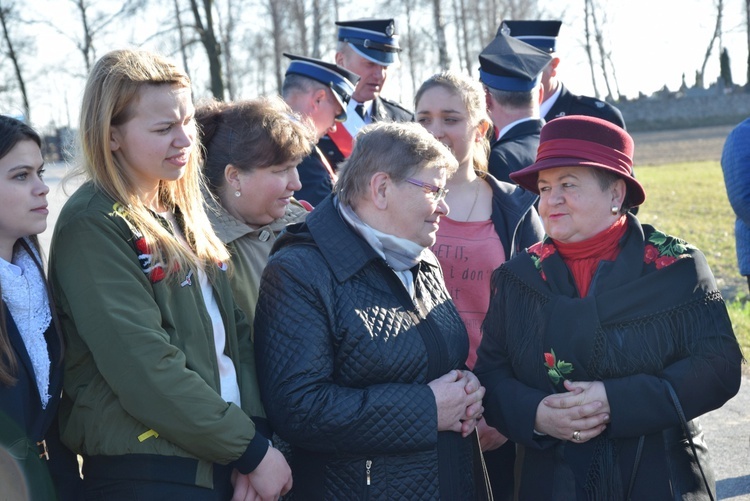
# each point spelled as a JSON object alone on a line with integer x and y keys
{"x": 469, "y": 252}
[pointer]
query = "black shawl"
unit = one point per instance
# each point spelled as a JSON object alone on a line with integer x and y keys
{"x": 653, "y": 315}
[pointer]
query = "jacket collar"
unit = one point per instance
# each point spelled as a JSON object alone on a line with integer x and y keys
{"x": 228, "y": 228}
{"x": 53, "y": 347}
{"x": 520, "y": 129}
{"x": 343, "y": 249}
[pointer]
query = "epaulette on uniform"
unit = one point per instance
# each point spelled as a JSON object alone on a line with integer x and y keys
{"x": 398, "y": 106}
{"x": 593, "y": 102}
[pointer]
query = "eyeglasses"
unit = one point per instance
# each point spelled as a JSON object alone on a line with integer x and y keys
{"x": 438, "y": 194}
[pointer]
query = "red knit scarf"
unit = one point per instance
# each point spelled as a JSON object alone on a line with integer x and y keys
{"x": 583, "y": 258}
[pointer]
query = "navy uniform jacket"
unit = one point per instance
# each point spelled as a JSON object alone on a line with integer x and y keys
{"x": 515, "y": 150}
{"x": 571, "y": 104}
{"x": 383, "y": 110}
{"x": 315, "y": 179}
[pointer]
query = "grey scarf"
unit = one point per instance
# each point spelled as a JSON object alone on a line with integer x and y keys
{"x": 400, "y": 254}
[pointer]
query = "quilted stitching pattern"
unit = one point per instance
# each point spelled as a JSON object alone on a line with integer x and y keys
{"x": 343, "y": 371}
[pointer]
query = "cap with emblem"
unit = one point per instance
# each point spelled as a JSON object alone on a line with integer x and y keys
{"x": 373, "y": 39}
{"x": 340, "y": 80}
{"x": 540, "y": 34}
{"x": 511, "y": 65}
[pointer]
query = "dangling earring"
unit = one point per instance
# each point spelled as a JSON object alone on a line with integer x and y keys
{"x": 615, "y": 209}
{"x": 237, "y": 193}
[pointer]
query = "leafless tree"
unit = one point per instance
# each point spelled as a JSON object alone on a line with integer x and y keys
{"x": 587, "y": 44}
{"x": 275, "y": 10}
{"x": 96, "y": 23}
{"x": 439, "y": 24}
{"x": 521, "y": 9}
{"x": 8, "y": 17}
{"x": 228, "y": 29}
{"x": 700, "y": 74}
{"x": 181, "y": 36}
{"x": 203, "y": 16}
{"x": 462, "y": 36}
{"x": 411, "y": 43}
{"x": 604, "y": 55}
{"x": 317, "y": 32}
{"x": 298, "y": 19}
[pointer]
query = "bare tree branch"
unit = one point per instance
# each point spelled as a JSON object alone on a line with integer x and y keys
{"x": 588, "y": 8}
{"x": 700, "y": 74}
{"x": 7, "y": 14}
{"x": 210, "y": 44}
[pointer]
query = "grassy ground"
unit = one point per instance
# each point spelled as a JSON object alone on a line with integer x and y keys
{"x": 689, "y": 200}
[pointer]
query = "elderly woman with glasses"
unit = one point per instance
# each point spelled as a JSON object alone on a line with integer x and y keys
{"x": 604, "y": 342}
{"x": 360, "y": 349}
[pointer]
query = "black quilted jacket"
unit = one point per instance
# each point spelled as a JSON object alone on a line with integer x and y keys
{"x": 344, "y": 358}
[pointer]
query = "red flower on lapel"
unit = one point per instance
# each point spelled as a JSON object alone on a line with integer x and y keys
{"x": 556, "y": 369}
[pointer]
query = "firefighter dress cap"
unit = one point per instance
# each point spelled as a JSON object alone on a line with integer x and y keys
{"x": 511, "y": 65}
{"x": 373, "y": 39}
{"x": 340, "y": 80}
{"x": 540, "y": 34}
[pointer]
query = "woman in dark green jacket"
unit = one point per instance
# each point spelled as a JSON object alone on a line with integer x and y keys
{"x": 161, "y": 397}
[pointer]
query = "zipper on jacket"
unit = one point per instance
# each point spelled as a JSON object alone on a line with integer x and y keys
{"x": 368, "y": 467}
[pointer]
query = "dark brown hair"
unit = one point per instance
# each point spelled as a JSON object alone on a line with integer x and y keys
{"x": 249, "y": 135}
{"x": 12, "y": 132}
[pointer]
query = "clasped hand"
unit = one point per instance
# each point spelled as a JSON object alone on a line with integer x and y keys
{"x": 458, "y": 395}
{"x": 270, "y": 480}
{"x": 578, "y": 415}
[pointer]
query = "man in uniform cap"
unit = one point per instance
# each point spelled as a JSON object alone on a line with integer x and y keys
{"x": 319, "y": 91}
{"x": 367, "y": 47}
{"x": 558, "y": 100}
{"x": 511, "y": 73}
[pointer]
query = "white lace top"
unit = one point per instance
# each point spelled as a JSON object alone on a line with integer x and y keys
{"x": 26, "y": 297}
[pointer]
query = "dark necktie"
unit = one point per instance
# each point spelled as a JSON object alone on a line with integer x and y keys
{"x": 360, "y": 109}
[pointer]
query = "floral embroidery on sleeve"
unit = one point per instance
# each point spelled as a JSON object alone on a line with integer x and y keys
{"x": 155, "y": 271}
{"x": 556, "y": 369}
{"x": 663, "y": 250}
{"x": 538, "y": 253}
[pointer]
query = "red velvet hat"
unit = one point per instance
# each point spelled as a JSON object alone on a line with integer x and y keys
{"x": 582, "y": 141}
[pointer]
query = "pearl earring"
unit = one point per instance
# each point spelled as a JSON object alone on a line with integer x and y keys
{"x": 237, "y": 193}
{"x": 615, "y": 209}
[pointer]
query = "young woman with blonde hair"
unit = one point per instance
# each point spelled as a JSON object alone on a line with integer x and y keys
{"x": 161, "y": 393}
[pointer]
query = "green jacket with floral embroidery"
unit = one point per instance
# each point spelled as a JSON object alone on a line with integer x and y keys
{"x": 141, "y": 374}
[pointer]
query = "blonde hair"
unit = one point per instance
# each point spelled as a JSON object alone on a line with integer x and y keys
{"x": 472, "y": 95}
{"x": 111, "y": 92}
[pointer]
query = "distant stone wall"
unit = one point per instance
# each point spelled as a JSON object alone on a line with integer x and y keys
{"x": 686, "y": 109}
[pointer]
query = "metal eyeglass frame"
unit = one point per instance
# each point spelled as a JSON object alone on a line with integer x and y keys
{"x": 437, "y": 193}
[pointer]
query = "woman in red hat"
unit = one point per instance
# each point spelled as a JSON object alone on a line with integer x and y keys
{"x": 610, "y": 336}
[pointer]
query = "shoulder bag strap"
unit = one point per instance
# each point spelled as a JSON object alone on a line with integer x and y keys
{"x": 683, "y": 421}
